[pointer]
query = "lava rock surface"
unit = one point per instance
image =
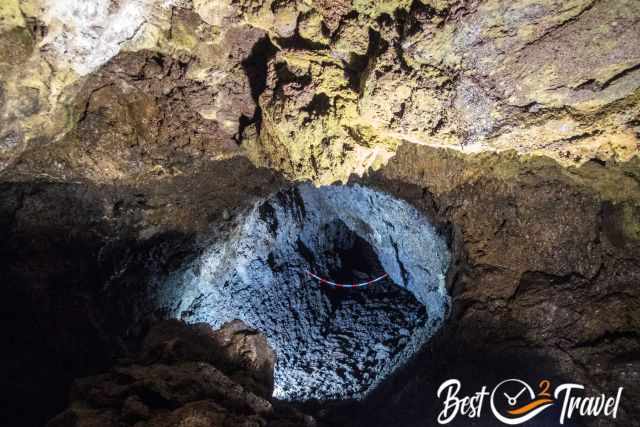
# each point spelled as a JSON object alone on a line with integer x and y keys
{"x": 188, "y": 376}
{"x": 133, "y": 133}
{"x": 331, "y": 343}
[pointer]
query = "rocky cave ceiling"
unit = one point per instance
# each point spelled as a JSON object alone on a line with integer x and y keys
{"x": 194, "y": 159}
{"x": 316, "y": 90}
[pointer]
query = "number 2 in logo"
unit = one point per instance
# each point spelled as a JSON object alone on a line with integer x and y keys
{"x": 544, "y": 388}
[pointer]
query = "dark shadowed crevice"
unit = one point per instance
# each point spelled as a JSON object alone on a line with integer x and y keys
{"x": 356, "y": 69}
{"x": 256, "y": 66}
{"x": 319, "y": 106}
{"x": 419, "y": 14}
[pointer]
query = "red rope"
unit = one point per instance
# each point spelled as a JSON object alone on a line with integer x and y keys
{"x": 345, "y": 285}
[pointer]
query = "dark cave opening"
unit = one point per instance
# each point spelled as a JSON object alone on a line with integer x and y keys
{"x": 355, "y": 259}
{"x": 319, "y": 105}
{"x": 332, "y": 343}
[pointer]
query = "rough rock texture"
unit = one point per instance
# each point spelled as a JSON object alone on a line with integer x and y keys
{"x": 549, "y": 78}
{"x": 309, "y": 121}
{"x": 152, "y": 76}
{"x": 548, "y": 278}
{"x": 187, "y": 376}
{"x": 349, "y": 83}
{"x": 331, "y": 343}
{"x": 141, "y": 115}
{"x": 75, "y": 255}
{"x": 132, "y": 133}
{"x": 558, "y": 78}
{"x": 544, "y": 280}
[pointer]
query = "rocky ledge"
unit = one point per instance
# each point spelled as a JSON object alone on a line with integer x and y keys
{"x": 185, "y": 375}
{"x": 148, "y": 140}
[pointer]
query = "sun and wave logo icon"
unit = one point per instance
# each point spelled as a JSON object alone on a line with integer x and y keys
{"x": 514, "y": 402}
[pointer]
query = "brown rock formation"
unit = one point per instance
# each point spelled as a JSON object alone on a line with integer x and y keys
{"x": 188, "y": 376}
{"x": 542, "y": 290}
{"x": 134, "y": 132}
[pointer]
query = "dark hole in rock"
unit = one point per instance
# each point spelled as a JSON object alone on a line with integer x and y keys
{"x": 319, "y": 105}
{"x": 331, "y": 343}
{"x": 354, "y": 256}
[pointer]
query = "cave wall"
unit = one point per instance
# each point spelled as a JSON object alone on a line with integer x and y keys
{"x": 132, "y": 131}
{"x": 332, "y": 344}
{"x": 76, "y": 262}
{"x": 547, "y": 280}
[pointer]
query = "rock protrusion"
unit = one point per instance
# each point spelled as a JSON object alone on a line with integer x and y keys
{"x": 188, "y": 375}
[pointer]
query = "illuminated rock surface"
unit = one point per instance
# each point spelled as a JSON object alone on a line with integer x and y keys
{"x": 137, "y": 136}
{"x": 331, "y": 343}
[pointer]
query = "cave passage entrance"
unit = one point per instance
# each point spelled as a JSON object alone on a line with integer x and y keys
{"x": 331, "y": 343}
{"x": 355, "y": 263}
